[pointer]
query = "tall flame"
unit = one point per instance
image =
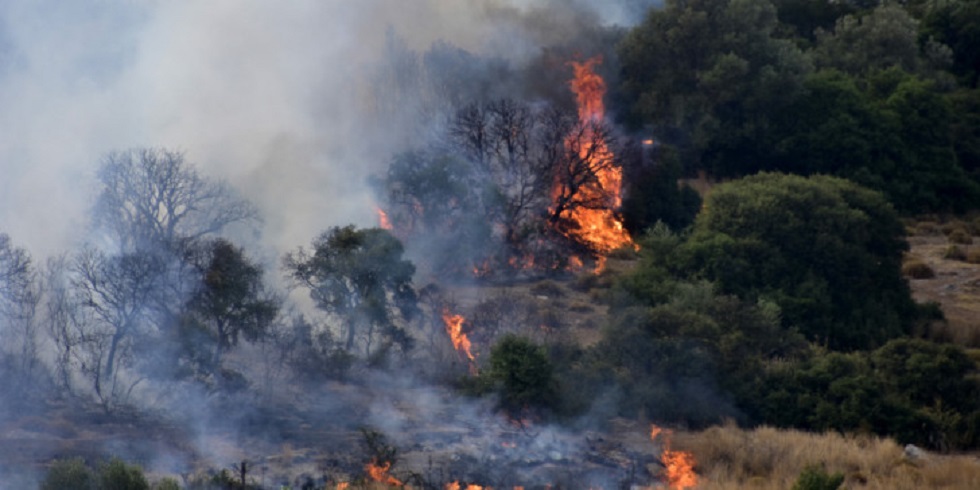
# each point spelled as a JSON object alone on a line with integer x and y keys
{"x": 599, "y": 229}
{"x": 679, "y": 465}
{"x": 454, "y": 327}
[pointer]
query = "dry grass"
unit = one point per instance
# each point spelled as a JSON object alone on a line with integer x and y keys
{"x": 766, "y": 458}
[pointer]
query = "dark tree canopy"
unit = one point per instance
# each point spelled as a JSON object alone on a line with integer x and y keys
{"x": 360, "y": 277}
{"x": 230, "y": 300}
{"x": 826, "y": 250}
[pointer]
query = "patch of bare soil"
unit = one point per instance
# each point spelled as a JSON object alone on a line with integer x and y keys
{"x": 955, "y": 287}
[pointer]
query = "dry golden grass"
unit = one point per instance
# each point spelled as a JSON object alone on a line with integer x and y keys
{"x": 767, "y": 458}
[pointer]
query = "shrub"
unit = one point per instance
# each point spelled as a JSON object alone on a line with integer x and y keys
{"x": 954, "y": 252}
{"x": 817, "y": 478}
{"x": 117, "y": 475}
{"x": 973, "y": 256}
{"x": 952, "y": 226}
{"x": 917, "y": 269}
{"x": 927, "y": 228}
{"x": 68, "y": 474}
{"x": 523, "y": 375}
{"x": 960, "y": 236}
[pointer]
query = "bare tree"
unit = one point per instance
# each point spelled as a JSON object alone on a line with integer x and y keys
{"x": 578, "y": 155}
{"x": 20, "y": 295}
{"x": 152, "y": 197}
{"x": 115, "y": 294}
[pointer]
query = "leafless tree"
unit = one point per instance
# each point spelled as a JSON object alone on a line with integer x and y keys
{"x": 577, "y": 155}
{"x": 153, "y": 197}
{"x": 20, "y": 296}
{"x": 115, "y": 295}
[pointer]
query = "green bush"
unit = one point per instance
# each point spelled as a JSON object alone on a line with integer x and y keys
{"x": 817, "y": 478}
{"x": 522, "y": 374}
{"x": 117, "y": 475}
{"x": 69, "y": 474}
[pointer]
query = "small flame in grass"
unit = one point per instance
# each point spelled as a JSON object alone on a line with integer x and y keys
{"x": 343, "y": 485}
{"x": 679, "y": 465}
{"x": 379, "y": 473}
{"x": 454, "y": 327}
{"x": 383, "y": 220}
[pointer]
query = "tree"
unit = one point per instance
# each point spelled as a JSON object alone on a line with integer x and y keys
{"x": 230, "y": 301}
{"x": 826, "y": 250}
{"x": 956, "y": 24}
{"x": 885, "y": 38}
{"x": 20, "y": 297}
{"x": 152, "y": 198}
{"x": 707, "y": 76}
{"x": 115, "y": 294}
{"x": 360, "y": 278}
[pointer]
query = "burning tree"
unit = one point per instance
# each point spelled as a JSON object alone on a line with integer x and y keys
{"x": 544, "y": 181}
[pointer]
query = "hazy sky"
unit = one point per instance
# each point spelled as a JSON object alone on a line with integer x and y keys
{"x": 261, "y": 93}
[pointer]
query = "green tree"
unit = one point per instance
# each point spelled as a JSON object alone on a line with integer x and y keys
{"x": 69, "y": 474}
{"x": 115, "y": 474}
{"x": 231, "y": 300}
{"x": 653, "y": 194}
{"x": 827, "y": 251}
{"x": 957, "y": 25}
{"x": 360, "y": 278}
{"x": 708, "y": 75}
{"x": 885, "y": 38}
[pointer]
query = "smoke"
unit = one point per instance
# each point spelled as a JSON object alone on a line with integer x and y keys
{"x": 268, "y": 95}
{"x": 278, "y": 98}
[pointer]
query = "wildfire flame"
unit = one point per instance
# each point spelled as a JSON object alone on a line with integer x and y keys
{"x": 379, "y": 473}
{"x": 454, "y": 327}
{"x": 599, "y": 229}
{"x": 383, "y": 220}
{"x": 679, "y": 465}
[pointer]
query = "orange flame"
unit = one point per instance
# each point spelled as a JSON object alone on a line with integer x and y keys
{"x": 454, "y": 327}
{"x": 383, "y": 220}
{"x": 599, "y": 229}
{"x": 379, "y": 473}
{"x": 343, "y": 485}
{"x": 679, "y": 465}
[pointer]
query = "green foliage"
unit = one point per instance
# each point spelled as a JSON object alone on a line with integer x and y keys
{"x": 117, "y": 475}
{"x": 74, "y": 474}
{"x": 914, "y": 390}
{"x": 955, "y": 24}
{"x": 652, "y": 195}
{"x": 230, "y": 302}
{"x": 360, "y": 276}
{"x": 827, "y": 251}
{"x": 671, "y": 360}
{"x": 69, "y": 474}
{"x": 522, "y": 374}
{"x": 817, "y": 478}
{"x": 712, "y": 72}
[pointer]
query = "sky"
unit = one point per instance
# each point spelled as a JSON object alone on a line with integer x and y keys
{"x": 267, "y": 95}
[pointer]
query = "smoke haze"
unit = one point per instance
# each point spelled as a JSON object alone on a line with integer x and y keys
{"x": 268, "y": 95}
